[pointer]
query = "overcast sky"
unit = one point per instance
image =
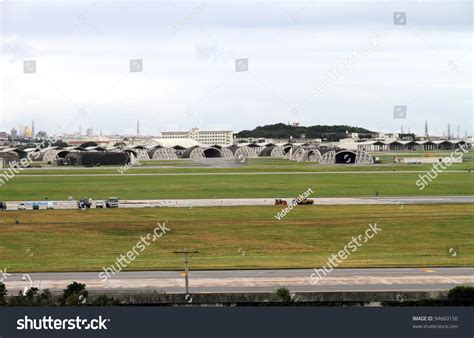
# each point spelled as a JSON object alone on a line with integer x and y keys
{"x": 83, "y": 50}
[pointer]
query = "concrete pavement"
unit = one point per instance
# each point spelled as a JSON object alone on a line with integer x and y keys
{"x": 190, "y": 203}
{"x": 297, "y": 280}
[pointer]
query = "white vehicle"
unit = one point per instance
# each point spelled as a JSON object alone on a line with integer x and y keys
{"x": 50, "y": 206}
{"x": 112, "y": 202}
{"x": 100, "y": 204}
{"x": 22, "y": 206}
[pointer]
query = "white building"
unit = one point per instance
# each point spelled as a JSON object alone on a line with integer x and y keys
{"x": 204, "y": 137}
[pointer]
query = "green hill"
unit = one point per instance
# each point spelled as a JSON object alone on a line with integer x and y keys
{"x": 284, "y": 131}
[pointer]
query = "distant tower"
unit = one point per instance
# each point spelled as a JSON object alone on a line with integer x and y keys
{"x": 465, "y": 133}
{"x": 426, "y": 128}
{"x": 409, "y": 130}
{"x": 138, "y": 127}
{"x": 80, "y": 130}
{"x": 33, "y": 128}
{"x": 401, "y": 129}
{"x": 449, "y": 131}
{"x": 458, "y": 132}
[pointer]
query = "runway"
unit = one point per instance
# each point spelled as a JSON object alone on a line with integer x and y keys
{"x": 386, "y": 279}
{"x": 190, "y": 203}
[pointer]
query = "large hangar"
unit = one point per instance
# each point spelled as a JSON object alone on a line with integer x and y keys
{"x": 175, "y": 148}
{"x": 97, "y": 158}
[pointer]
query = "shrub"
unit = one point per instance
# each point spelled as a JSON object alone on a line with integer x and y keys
{"x": 103, "y": 300}
{"x": 284, "y": 295}
{"x": 461, "y": 295}
{"x": 74, "y": 294}
{"x": 3, "y": 293}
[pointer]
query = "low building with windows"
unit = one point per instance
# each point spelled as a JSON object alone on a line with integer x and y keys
{"x": 204, "y": 137}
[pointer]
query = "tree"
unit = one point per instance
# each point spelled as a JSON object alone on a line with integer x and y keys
{"x": 461, "y": 296}
{"x": 284, "y": 295}
{"x": 284, "y": 131}
{"x": 74, "y": 294}
{"x": 60, "y": 143}
{"x": 32, "y": 298}
{"x": 3, "y": 293}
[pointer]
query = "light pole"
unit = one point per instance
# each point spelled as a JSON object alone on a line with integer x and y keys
{"x": 186, "y": 253}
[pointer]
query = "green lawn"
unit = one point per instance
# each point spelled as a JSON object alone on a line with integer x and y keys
{"x": 253, "y": 165}
{"x": 233, "y": 186}
{"x": 231, "y": 237}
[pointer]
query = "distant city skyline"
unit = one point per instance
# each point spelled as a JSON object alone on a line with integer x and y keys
{"x": 90, "y": 131}
{"x": 178, "y": 65}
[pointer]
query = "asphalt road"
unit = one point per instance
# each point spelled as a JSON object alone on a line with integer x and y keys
{"x": 390, "y": 279}
{"x": 190, "y": 203}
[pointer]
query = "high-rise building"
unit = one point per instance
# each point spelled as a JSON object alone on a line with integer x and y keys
{"x": 138, "y": 127}
{"x": 33, "y": 128}
{"x": 449, "y": 131}
{"x": 28, "y": 132}
{"x": 90, "y": 132}
{"x": 13, "y": 132}
{"x": 426, "y": 128}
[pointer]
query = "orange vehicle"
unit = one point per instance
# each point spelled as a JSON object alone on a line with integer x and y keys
{"x": 305, "y": 201}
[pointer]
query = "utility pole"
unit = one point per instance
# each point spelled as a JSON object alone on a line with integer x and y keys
{"x": 186, "y": 253}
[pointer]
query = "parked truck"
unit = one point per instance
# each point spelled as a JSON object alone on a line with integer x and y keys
{"x": 112, "y": 202}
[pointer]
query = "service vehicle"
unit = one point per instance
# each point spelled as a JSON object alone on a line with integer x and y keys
{"x": 112, "y": 202}
{"x": 84, "y": 203}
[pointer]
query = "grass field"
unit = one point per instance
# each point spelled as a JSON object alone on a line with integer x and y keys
{"x": 231, "y": 237}
{"x": 253, "y": 165}
{"x": 233, "y": 186}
